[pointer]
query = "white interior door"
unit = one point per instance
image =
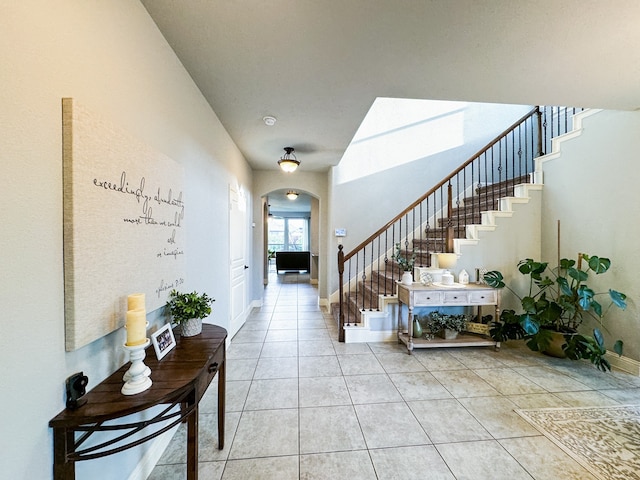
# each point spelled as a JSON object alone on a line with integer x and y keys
{"x": 237, "y": 242}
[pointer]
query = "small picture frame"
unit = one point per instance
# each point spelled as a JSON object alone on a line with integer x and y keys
{"x": 163, "y": 341}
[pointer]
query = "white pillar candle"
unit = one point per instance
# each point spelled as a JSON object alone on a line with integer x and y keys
{"x": 136, "y": 327}
{"x": 135, "y": 301}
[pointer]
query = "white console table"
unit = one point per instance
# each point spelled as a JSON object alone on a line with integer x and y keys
{"x": 418, "y": 295}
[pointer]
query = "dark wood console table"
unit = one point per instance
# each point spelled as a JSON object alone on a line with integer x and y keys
{"x": 179, "y": 379}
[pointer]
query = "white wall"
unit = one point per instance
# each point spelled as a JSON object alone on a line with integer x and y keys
{"x": 592, "y": 188}
{"x": 109, "y": 56}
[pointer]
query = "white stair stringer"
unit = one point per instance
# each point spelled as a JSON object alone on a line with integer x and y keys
{"x": 377, "y": 325}
{"x": 556, "y": 143}
{"x": 505, "y": 234}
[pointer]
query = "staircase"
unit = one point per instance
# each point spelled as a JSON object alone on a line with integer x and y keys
{"x": 450, "y": 217}
{"x": 382, "y": 282}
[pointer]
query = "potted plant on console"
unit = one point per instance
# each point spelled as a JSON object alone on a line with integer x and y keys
{"x": 558, "y": 301}
{"x": 188, "y": 310}
{"x": 405, "y": 263}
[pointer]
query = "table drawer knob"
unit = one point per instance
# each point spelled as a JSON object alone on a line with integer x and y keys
{"x": 213, "y": 367}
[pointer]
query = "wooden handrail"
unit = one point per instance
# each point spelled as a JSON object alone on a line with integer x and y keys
{"x": 447, "y": 179}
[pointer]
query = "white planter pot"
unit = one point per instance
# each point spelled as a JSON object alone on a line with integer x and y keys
{"x": 191, "y": 327}
{"x": 407, "y": 278}
{"x": 449, "y": 334}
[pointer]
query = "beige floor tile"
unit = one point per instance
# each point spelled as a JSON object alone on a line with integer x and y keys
{"x": 624, "y": 396}
{"x": 337, "y": 466}
{"x": 478, "y": 358}
{"x": 436, "y": 359}
{"x": 323, "y": 391}
{"x": 244, "y": 350}
{"x": 372, "y": 389}
{"x": 537, "y": 400}
{"x": 281, "y": 336}
{"x": 543, "y": 459}
{"x": 464, "y": 383}
{"x": 419, "y": 386}
{"x": 272, "y": 394}
{"x": 241, "y": 368}
{"x": 236, "y": 395}
{"x": 447, "y": 421}
{"x": 356, "y": 406}
{"x": 250, "y": 336}
{"x": 497, "y": 416}
{"x": 276, "y": 367}
{"x": 410, "y": 463}
{"x": 322, "y": 366}
{"x": 586, "y": 399}
{"x": 269, "y": 468}
{"x": 360, "y": 364}
{"x": 279, "y": 349}
{"x": 266, "y": 433}
{"x": 390, "y": 425}
{"x": 399, "y": 362}
{"x": 314, "y": 348}
{"x": 329, "y": 429}
{"x": 508, "y": 382}
{"x": 550, "y": 379}
{"x": 481, "y": 461}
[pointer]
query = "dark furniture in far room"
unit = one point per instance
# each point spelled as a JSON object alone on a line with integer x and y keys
{"x": 293, "y": 261}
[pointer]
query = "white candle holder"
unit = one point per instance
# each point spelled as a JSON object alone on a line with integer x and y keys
{"x": 137, "y": 377}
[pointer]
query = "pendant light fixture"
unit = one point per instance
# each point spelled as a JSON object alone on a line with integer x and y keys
{"x": 292, "y": 194}
{"x": 288, "y": 163}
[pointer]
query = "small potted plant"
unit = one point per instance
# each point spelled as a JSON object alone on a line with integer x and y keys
{"x": 445, "y": 324}
{"x": 188, "y": 310}
{"x": 556, "y": 304}
{"x": 405, "y": 263}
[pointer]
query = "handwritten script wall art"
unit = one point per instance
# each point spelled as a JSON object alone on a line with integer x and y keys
{"x": 124, "y": 224}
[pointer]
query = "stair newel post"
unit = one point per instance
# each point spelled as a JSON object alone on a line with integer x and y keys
{"x": 449, "y": 237}
{"x": 540, "y": 139}
{"x": 341, "y": 293}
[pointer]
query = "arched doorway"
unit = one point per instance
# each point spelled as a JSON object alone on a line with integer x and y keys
{"x": 291, "y": 224}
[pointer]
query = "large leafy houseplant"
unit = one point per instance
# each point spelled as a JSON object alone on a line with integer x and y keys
{"x": 559, "y": 300}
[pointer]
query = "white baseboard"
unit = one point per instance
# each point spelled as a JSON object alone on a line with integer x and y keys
{"x": 625, "y": 364}
{"x": 152, "y": 455}
{"x": 324, "y": 302}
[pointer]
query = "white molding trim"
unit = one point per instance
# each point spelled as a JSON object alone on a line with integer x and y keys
{"x": 625, "y": 364}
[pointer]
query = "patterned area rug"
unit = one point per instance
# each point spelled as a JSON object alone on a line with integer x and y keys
{"x": 604, "y": 440}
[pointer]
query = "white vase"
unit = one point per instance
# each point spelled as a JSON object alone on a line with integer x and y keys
{"x": 407, "y": 278}
{"x": 192, "y": 327}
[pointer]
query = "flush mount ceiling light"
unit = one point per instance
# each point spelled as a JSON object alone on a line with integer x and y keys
{"x": 292, "y": 195}
{"x": 288, "y": 163}
{"x": 269, "y": 120}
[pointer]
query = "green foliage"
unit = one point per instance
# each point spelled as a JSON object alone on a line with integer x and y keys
{"x": 406, "y": 264}
{"x": 437, "y": 321}
{"x": 560, "y": 300}
{"x": 184, "y": 306}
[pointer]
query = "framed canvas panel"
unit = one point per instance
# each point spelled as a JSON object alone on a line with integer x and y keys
{"x": 124, "y": 224}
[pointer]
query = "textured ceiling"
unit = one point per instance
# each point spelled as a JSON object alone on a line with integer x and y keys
{"x": 318, "y": 65}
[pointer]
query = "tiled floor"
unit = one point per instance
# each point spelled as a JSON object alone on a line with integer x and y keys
{"x": 301, "y": 405}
